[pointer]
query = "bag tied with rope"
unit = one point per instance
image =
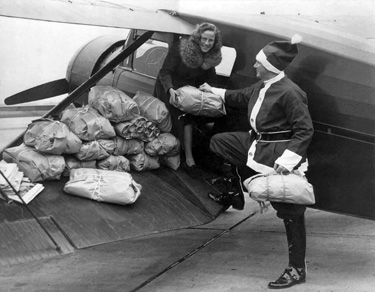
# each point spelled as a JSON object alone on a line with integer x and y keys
{"x": 193, "y": 101}
{"x": 292, "y": 188}
{"x": 103, "y": 186}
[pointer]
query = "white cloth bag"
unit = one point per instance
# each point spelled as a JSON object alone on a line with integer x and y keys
{"x": 193, "y": 101}
{"x": 292, "y": 188}
{"x": 103, "y": 186}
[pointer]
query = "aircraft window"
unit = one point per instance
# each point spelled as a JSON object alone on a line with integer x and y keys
{"x": 226, "y": 65}
{"x": 149, "y": 57}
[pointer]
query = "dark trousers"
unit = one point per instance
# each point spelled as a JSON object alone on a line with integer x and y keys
{"x": 233, "y": 147}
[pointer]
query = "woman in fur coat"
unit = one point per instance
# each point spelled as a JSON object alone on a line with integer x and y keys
{"x": 190, "y": 61}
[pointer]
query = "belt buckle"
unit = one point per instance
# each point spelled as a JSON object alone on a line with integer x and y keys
{"x": 258, "y": 137}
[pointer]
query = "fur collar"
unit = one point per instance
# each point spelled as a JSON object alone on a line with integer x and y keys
{"x": 193, "y": 57}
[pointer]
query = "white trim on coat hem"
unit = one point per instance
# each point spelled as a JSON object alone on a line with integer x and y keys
{"x": 258, "y": 167}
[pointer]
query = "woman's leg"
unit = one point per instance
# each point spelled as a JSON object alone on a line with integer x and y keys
{"x": 188, "y": 142}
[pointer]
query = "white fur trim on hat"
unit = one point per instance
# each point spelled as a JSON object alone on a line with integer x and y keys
{"x": 261, "y": 58}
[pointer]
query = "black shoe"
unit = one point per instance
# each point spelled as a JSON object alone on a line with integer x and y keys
{"x": 238, "y": 201}
{"x": 290, "y": 277}
{"x": 194, "y": 171}
{"x": 222, "y": 198}
{"x": 233, "y": 187}
{"x": 226, "y": 199}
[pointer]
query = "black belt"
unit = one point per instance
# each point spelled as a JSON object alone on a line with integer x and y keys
{"x": 273, "y": 136}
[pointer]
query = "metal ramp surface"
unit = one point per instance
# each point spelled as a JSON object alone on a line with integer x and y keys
{"x": 169, "y": 200}
{"x": 26, "y": 240}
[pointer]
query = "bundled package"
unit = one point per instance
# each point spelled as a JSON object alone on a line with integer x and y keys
{"x": 127, "y": 146}
{"x": 117, "y": 163}
{"x": 35, "y": 165}
{"x": 164, "y": 144}
{"x": 170, "y": 161}
{"x": 292, "y": 188}
{"x": 196, "y": 102}
{"x": 108, "y": 145}
{"x": 91, "y": 150}
{"x": 143, "y": 161}
{"x": 138, "y": 128}
{"x": 52, "y": 137}
{"x": 113, "y": 103}
{"x": 154, "y": 110}
{"x": 103, "y": 186}
{"x": 87, "y": 123}
{"x": 73, "y": 163}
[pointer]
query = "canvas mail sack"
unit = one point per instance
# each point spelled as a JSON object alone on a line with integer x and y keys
{"x": 154, "y": 110}
{"x": 103, "y": 185}
{"x": 35, "y": 165}
{"x": 113, "y": 103}
{"x": 193, "y": 101}
{"x": 292, "y": 188}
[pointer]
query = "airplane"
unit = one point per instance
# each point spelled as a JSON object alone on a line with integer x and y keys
{"x": 336, "y": 68}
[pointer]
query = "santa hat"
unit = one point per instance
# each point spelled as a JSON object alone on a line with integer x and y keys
{"x": 276, "y": 56}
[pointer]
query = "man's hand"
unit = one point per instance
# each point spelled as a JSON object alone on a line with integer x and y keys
{"x": 205, "y": 87}
{"x": 280, "y": 169}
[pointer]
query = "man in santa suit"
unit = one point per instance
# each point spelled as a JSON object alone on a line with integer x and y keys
{"x": 281, "y": 131}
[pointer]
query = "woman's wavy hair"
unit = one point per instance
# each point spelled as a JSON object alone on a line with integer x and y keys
{"x": 201, "y": 28}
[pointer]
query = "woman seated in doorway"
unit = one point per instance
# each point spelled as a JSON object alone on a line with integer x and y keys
{"x": 190, "y": 61}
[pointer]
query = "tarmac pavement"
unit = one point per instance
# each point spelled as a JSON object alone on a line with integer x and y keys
{"x": 239, "y": 251}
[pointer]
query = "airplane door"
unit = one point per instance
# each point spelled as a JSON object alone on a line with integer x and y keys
{"x": 139, "y": 71}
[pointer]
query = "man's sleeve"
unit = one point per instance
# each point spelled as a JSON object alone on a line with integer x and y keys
{"x": 298, "y": 116}
{"x": 220, "y": 92}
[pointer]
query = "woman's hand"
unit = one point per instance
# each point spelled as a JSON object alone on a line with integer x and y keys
{"x": 172, "y": 93}
{"x": 205, "y": 87}
{"x": 280, "y": 169}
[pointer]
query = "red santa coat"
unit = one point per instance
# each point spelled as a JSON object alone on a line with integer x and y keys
{"x": 275, "y": 106}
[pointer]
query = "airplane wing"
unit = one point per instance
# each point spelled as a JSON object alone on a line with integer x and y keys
{"x": 96, "y": 14}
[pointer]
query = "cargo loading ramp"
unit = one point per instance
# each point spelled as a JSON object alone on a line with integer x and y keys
{"x": 169, "y": 200}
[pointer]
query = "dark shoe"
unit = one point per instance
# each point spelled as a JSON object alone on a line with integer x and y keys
{"x": 234, "y": 188}
{"x": 229, "y": 192}
{"x": 238, "y": 201}
{"x": 222, "y": 199}
{"x": 227, "y": 199}
{"x": 194, "y": 171}
{"x": 290, "y": 277}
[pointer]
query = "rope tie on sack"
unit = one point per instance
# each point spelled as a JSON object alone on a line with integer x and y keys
{"x": 121, "y": 104}
{"x": 29, "y": 150}
{"x": 52, "y": 124}
{"x": 97, "y": 121}
{"x": 48, "y": 159}
{"x": 201, "y": 104}
{"x": 81, "y": 110}
{"x": 283, "y": 187}
{"x": 146, "y": 108}
{"x": 97, "y": 187}
{"x": 262, "y": 204}
{"x": 98, "y": 150}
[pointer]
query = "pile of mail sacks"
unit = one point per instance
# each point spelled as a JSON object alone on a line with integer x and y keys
{"x": 112, "y": 133}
